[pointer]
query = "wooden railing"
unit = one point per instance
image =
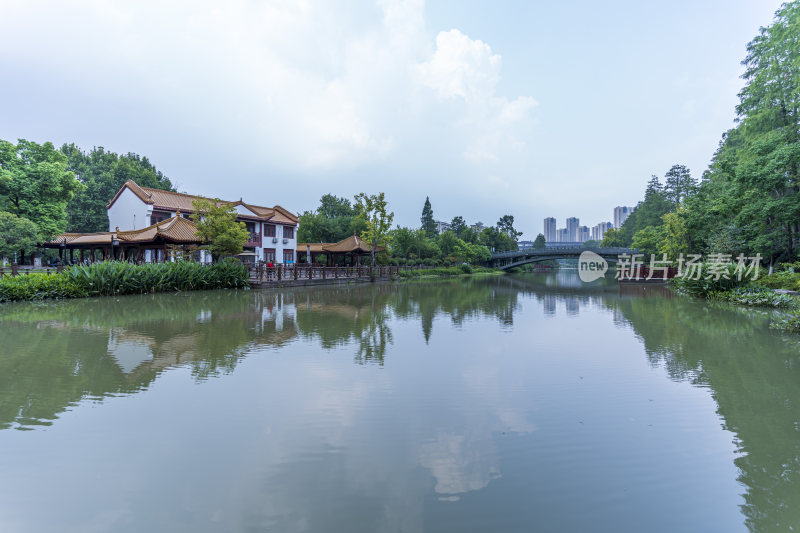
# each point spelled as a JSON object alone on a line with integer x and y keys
{"x": 261, "y": 273}
{"x": 20, "y": 270}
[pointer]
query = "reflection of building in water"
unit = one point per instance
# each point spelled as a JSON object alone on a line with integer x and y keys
{"x": 573, "y": 305}
{"x": 549, "y": 302}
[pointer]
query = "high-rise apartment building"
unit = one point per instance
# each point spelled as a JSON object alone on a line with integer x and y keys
{"x": 621, "y": 214}
{"x": 599, "y": 231}
{"x": 572, "y": 229}
{"x": 550, "y": 229}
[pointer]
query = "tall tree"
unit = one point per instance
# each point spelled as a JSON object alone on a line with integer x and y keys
{"x": 35, "y": 184}
{"x": 218, "y": 228}
{"x": 539, "y": 242}
{"x": 506, "y": 225}
{"x": 103, "y": 173}
{"x": 678, "y": 184}
{"x": 334, "y": 220}
{"x": 372, "y": 208}
{"x": 428, "y": 224}
{"x": 457, "y": 226}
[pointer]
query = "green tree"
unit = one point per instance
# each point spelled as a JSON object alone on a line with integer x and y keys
{"x": 102, "y": 174}
{"x": 334, "y": 220}
{"x": 506, "y": 225}
{"x": 428, "y": 224}
{"x": 647, "y": 213}
{"x": 334, "y": 207}
{"x": 218, "y": 228}
{"x": 471, "y": 253}
{"x": 539, "y": 242}
{"x": 447, "y": 242}
{"x": 675, "y": 239}
{"x": 613, "y": 238}
{"x": 17, "y": 235}
{"x": 372, "y": 208}
{"x": 402, "y": 242}
{"x": 648, "y": 240}
{"x": 678, "y": 184}
{"x": 35, "y": 184}
{"x": 457, "y": 226}
{"x": 497, "y": 241}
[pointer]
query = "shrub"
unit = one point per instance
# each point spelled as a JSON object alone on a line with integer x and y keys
{"x": 466, "y": 268}
{"x": 706, "y": 283}
{"x": 38, "y": 286}
{"x": 780, "y": 280}
{"x": 754, "y": 296}
{"x": 118, "y": 277}
{"x": 788, "y": 322}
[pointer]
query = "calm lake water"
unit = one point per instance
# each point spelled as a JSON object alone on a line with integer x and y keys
{"x": 516, "y": 403}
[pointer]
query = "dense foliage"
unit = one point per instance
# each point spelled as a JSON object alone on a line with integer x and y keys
{"x": 35, "y": 184}
{"x": 17, "y": 234}
{"x": 334, "y": 220}
{"x": 102, "y": 174}
{"x": 748, "y": 201}
{"x": 118, "y": 277}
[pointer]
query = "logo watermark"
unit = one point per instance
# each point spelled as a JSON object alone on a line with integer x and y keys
{"x": 591, "y": 266}
{"x": 632, "y": 267}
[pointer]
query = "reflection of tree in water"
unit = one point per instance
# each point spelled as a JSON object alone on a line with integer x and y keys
{"x": 460, "y": 299}
{"x": 61, "y": 352}
{"x": 350, "y": 315}
{"x": 754, "y": 376}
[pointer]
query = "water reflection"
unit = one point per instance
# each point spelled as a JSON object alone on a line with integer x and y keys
{"x": 451, "y": 426}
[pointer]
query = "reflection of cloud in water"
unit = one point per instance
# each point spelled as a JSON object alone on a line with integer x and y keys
{"x": 128, "y": 353}
{"x": 460, "y": 463}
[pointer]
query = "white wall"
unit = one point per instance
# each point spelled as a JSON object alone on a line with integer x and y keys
{"x": 129, "y": 212}
{"x": 266, "y": 242}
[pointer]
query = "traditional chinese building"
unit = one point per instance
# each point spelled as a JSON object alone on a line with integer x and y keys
{"x": 146, "y": 222}
{"x": 350, "y": 250}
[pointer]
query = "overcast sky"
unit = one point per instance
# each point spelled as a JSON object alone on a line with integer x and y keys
{"x": 489, "y": 107}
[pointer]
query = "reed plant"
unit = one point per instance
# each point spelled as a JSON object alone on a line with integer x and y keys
{"x": 112, "y": 278}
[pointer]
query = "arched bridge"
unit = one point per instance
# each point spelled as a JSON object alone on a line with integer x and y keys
{"x": 507, "y": 260}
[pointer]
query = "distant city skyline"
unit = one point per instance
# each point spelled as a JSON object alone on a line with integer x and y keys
{"x": 577, "y": 233}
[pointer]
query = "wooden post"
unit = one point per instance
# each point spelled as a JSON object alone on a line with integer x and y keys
{"x": 295, "y": 272}
{"x": 14, "y": 269}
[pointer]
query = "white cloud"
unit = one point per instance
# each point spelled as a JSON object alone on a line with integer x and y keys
{"x": 307, "y": 84}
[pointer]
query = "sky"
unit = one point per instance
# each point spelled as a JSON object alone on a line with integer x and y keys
{"x": 527, "y": 108}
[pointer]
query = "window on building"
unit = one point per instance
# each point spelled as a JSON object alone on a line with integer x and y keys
{"x": 288, "y": 256}
{"x": 251, "y": 229}
{"x": 269, "y": 230}
{"x": 288, "y": 233}
{"x": 159, "y": 216}
{"x": 269, "y": 255}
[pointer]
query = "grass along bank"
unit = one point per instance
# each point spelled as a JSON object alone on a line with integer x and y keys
{"x": 113, "y": 278}
{"x": 761, "y": 292}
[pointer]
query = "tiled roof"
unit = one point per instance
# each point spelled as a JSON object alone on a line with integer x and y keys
{"x": 180, "y": 201}
{"x": 176, "y": 229}
{"x": 348, "y": 245}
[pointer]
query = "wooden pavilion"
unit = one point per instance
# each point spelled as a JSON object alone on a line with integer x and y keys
{"x": 352, "y": 247}
{"x": 150, "y": 244}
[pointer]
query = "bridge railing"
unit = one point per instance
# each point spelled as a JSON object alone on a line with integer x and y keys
{"x": 557, "y": 251}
